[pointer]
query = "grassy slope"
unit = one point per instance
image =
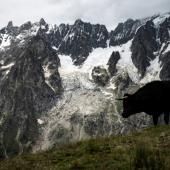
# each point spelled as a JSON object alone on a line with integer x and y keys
{"x": 149, "y": 149}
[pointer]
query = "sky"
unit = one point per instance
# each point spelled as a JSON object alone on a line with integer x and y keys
{"x": 108, "y": 12}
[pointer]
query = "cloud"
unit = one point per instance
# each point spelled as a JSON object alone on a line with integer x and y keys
{"x": 108, "y": 12}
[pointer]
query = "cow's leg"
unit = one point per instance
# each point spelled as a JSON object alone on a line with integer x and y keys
{"x": 155, "y": 119}
{"x": 166, "y": 118}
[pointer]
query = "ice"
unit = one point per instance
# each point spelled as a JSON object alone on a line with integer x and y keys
{"x": 100, "y": 57}
{"x": 67, "y": 65}
{"x": 7, "y": 66}
{"x": 55, "y": 48}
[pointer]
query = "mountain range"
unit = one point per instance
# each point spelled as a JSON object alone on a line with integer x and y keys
{"x": 59, "y": 84}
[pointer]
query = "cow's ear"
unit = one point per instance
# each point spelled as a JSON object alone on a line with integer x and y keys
{"x": 126, "y": 95}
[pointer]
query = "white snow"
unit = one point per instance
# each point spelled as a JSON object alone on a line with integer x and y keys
{"x": 43, "y": 27}
{"x": 55, "y": 48}
{"x": 100, "y": 57}
{"x": 167, "y": 49}
{"x": 50, "y": 28}
{"x": 40, "y": 121}
{"x": 2, "y": 62}
{"x": 6, "y": 41}
{"x": 67, "y": 66}
{"x": 152, "y": 72}
{"x": 162, "y": 47}
{"x": 7, "y": 66}
{"x": 161, "y": 18}
{"x": 47, "y": 74}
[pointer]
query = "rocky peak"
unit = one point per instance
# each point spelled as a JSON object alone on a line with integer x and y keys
{"x": 78, "y": 22}
{"x": 124, "y": 32}
{"x": 10, "y": 29}
{"x": 26, "y": 26}
{"x": 114, "y": 58}
{"x": 10, "y": 24}
{"x": 42, "y": 22}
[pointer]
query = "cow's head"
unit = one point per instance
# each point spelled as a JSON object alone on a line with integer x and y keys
{"x": 128, "y": 105}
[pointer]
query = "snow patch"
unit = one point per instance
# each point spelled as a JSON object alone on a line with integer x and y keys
{"x": 7, "y": 66}
{"x": 55, "y": 48}
{"x": 167, "y": 49}
{"x": 126, "y": 64}
{"x": 67, "y": 66}
{"x": 40, "y": 122}
{"x": 152, "y": 72}
{"x": 6, "y": 41}
{"x": 160, "y": 19}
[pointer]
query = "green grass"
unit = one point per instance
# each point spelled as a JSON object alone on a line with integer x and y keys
{"x": 146, "y": 150}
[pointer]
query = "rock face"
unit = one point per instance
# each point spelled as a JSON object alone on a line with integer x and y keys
{"x": 81, "y": 39}
{"x": 59, "y": 84}
{"x": 112, "y": 62}
{"x": 124, "y": 32}
{"x": 143, "y": 46}
{"x": 164, "y": 30}
{"x": 25, "y": 95}
{"x": 165, "y": 72}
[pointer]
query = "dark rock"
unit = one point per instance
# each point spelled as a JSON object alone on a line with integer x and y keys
{"x": 26, "y": 26}
{"x": 124, "y": 32}
{"x": 42, "y": 22}
{"x": 114, "y": 58}
{"x": 143, "y": 46}
{"x": 100, "y": 76}
{"x": 57, "y": 34}
{"x": 25, "y": 95}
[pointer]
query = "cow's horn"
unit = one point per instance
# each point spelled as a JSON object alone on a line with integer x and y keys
{"x": 122, "y": 98}
{"x": 119, "y": 98}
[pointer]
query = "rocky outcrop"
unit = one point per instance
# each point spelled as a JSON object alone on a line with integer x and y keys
{"x": 143, "y": 47}
{"x": 25, "y": 95}
{"x": 165, "y": 71}
{"x": 114, "y": 58}
{"x": 163, "y": 33}
{"x": 100, "y": 76}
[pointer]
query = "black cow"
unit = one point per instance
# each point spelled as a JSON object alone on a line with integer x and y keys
{"x": 153, "y": 99}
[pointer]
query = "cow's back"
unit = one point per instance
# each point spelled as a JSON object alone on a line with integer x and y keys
{"x": 155, "y": 88}
{"x": 155, "y": 95}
